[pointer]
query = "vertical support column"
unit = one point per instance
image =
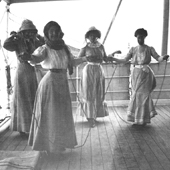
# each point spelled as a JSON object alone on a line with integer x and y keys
{"x": 7, "y": 68}
{"x": 165, "y": 27}
{"x": 77, "y": 85}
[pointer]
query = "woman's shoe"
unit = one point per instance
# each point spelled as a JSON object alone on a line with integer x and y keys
{"x": 24, "y": 134}
{"x": 139, "y": 125}
{"x": 93, "y": 124}
{"x": 144, "y": 124}
{"x": 62, "y": 149}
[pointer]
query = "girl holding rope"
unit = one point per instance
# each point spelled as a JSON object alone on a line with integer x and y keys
{"x": 92, "y": 93}
{"x": 52, "y": 127}
{"x": 141, "y": 109}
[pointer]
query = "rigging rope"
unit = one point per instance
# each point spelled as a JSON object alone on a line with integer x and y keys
{"x": 114, "y": 110}
{"x": 2, "y": 17}
{"x": 116, "y": 66}
{"x": 112, "y": 21}
{"x": 83, "y": 112}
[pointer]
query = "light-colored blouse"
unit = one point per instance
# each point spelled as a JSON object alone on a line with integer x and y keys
{"x": 51, "y": 58}
{"x": 54, "y": 59}
{"x": 90, "y": 50}
{"x": 141, "y": 55}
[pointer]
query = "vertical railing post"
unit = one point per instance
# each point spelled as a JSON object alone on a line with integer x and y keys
{"x": 7, "y": 68}
{"x": 165, "y": 27}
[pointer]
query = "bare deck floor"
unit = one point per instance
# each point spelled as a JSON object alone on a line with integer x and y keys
{"x": 112, "y": 145}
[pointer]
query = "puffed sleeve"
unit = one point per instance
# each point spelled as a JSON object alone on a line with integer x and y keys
{"x": 82, "y": 52}
{"x": 81, "y": 58}
{"x": 11, "y": 44}
{"x": 154, "y": 54}
{"x": 104, "y": 54}
{"x": 129, "y": 54}
{"x": 39, "y": 55}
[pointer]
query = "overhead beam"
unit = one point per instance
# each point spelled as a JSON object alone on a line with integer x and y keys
{"x": 23, "y": 1}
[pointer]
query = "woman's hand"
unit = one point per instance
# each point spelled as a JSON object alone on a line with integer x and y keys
{"x": 116, "y": 52}
{"x": 24, "y": 56}
{"x": 89, "y": 58}
{"x": 93, "y": 58}
{"x": 110, "y": 58}
{"x": 165, "y": 57}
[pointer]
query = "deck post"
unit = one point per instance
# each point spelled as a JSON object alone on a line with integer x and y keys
{"x": 165, "y": 27}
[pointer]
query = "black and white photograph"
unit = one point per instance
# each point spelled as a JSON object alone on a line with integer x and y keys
{"x": 84, "y": 85}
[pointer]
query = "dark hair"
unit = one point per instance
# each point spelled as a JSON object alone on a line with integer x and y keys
{"x": 141, "y": 31}
{"x": 95, "y": 32}
{"x": 49, "y": 25}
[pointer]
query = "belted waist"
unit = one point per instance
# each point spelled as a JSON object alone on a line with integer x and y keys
{"x": 58, "y": 70}
{"x": 141, "y": 66}
{"x": 23, "y": 61}
{"x": 91, "y": 63}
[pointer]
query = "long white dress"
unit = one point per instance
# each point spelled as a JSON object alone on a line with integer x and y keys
{"x": 52, "y": 122}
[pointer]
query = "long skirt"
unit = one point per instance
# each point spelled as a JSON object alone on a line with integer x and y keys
{"x": 92, "y": 93}
{"x": 40, "y": 72}
{"x": 52, "y": 124}
{"x": 25, "y": 86}
{"x": 141, "y": 108}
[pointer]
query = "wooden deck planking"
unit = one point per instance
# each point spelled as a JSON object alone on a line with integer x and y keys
{"x": 131, "y": 148}
{"x": 9, "y": 138}
{"x": 97, "y": 159}
{"x": 113, "y": 144}
{"x": 86, "y": 146}
{"x": 163, "y": 118}
{"x": 127, "y": 151}
{"x": 137, "y": 134}
{"x": 118, "y": 161}
{"x": 157, "y": 141}
{"x": 105, "y": 145}
{"x": 22, "y": 145}
{"x": 161, "y": 157}
{"x": 14, "y": 143}
{"x": 5, "y": 135}
{"x": 155, "y": 147}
